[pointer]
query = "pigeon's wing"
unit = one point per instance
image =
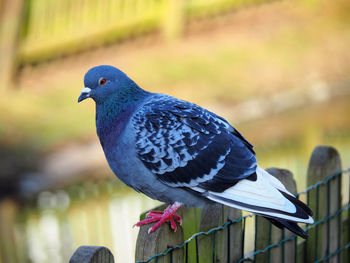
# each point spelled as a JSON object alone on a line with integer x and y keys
{"x": 185, "y": 145}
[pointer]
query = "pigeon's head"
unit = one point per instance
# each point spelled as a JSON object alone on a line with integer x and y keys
{"x": 102, "y": 81}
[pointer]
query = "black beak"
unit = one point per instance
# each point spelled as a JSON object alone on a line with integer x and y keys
{"x": 85, "y": 93}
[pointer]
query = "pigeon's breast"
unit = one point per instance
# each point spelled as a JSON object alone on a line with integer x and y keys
{"x": 124, "y": 162}
{"x": 110, "y": 129}
{"x": 126, "y": 165}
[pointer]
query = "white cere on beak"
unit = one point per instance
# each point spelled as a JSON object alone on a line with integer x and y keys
{"x": 86, "y": 90}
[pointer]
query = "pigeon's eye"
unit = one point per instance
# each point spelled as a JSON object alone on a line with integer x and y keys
{"x": 102, "y": 81}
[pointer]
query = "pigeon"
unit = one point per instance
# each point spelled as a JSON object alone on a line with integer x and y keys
{"x": 179, "y": 153}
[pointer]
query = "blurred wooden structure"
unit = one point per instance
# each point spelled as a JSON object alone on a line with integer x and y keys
{"x": 38, "y": 30}
{"x": 329, "y": 235}
{"x": 11, "y": 21}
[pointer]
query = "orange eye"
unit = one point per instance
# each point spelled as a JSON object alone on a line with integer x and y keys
{"x": 102, "y": 81}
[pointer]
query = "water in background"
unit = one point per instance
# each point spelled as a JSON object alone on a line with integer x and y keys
{"x": 60, "y": 223}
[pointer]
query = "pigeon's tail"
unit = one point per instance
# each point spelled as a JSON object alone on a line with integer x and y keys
{"x": 291, "y": 226}
{"x": 267, "y": 196}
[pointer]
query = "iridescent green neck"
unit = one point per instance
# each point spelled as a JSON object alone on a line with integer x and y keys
{"x": 119, "y": 102}
{"x": 114, "y": 113}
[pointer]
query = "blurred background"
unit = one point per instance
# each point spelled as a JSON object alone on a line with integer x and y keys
{"x": 277, "y": 70}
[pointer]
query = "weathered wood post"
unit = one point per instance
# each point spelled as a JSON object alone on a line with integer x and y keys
{"x": 11, "y": 17}
{"x": 324, "y": 200}
{"x": 266, "y": 233}
{"x": 92, "y": 254}
{"x": 228, "y": 243}
{"x": 147, "y": 245}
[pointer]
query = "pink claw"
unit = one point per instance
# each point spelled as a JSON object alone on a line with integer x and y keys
{"x": 168, "y": 215}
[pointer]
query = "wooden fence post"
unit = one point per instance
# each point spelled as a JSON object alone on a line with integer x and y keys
{"x": 159, "y": 241}
{"x": 92, "y": 254}
{"x": 324, "y": 200}
{"x": 228, "y": 242}
{"x": 264, "y": 228}
{"x": 11, "y": 17}
{"x": 191, "y": 219}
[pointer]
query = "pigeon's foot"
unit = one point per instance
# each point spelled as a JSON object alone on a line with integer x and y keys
{"x": 168, "y": 215}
